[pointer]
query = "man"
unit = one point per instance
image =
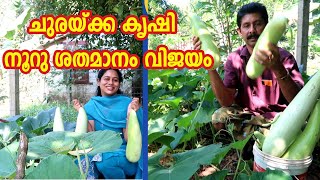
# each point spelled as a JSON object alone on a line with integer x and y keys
{"x": 268, "y": 94}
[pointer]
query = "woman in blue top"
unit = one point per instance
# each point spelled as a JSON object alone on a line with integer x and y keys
{"x": 109, "y": 111}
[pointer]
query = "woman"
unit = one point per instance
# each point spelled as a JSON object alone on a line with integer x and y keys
{"x": 108, "y": 110}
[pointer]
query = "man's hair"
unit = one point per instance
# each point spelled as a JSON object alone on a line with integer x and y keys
{"x": 253, "y": 7}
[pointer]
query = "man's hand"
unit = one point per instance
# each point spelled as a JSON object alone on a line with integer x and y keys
{"x": 269, "y": 58}
{"x": 196, "y": 43}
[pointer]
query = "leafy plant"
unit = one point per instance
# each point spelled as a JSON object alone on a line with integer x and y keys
{"x": 182, "y": 165}
{"x": 8, "y": 157}
{"x": 51, "y": 148}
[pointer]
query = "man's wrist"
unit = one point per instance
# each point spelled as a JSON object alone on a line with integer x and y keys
{"x": 283, "y": 77}
{"x": 280, "y": 72}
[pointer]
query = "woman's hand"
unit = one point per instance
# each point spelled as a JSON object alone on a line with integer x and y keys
{"x": 196, "y": 43}
{"x": 76, "y": 104}
{"x": 134, "y": 105}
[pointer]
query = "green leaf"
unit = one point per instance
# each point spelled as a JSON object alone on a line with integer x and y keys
{"x": 198, "y": 94}
{"x": 159, "y": 124}
{"x": 102, "y": 141}
{"x": 315, "y": 20}
{"x": 185, "y": 119}
{"x": 173, "y": 81}
{"x": 157, "y": 128}
{"x": 39, "y": 131}
{"x": 170, "y": 116}
{"x": 8, "y": 131}
{"x": 165, "y": 139}
{"x": 63, "y": 142}
{"x": 177, "y": 137}
{"x": 158, "y": 73}
{"x": 162, "y": 150}
{"x": 153, "y": 136}
{"x": 50, "y": 143}
{"x": 193, "y": 81}
{"x": 242, "y": 176}
{"x": 314, "y": 7}
{"x": 16, "y": 118}
{"x": 155, "y": 96}
{"x": 133, "y": 12}
{"x": 271, "y": 175}
{"x": 23, "y": 18}
{"x": 171, "y": 101}
{"x": 9, "y": 35}
{"x": 202, "y": 117}
{"x": 185, "y": 92}
{"x": 185, "y": 164}
{"x": 19, "y": 22}
{"x": 201, "y": 5}
{"x": 120, "y": 11}
{"x": 8, "y": 158}
{"x": 219, "y": 175}
{"x": 209, "y": 96}
{"x": 240, "y": 144}
{"x": 27, "y": 126}
{"x": 33, "y": 126}
{"x": 187, "y": 137}
{"x": 56, "y": 166}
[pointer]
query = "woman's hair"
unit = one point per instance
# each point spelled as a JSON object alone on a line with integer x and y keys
{"x": 250, "y": 8}
{"x": 101, "y": 73}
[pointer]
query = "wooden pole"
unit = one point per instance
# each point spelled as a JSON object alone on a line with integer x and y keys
{"x": 302, "y": 34}
{"x": 14, "y": 92}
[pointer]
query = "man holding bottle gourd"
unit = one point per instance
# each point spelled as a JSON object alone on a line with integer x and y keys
{"x": 269, "y": 93}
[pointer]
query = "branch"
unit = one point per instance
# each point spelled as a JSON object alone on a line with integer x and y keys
{"x": 53, "y": 42}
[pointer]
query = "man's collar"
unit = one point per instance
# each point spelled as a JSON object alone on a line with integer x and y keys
{"x": 244, "y": 53}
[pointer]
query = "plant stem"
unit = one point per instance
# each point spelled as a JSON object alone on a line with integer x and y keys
{"x": 22, "y": 154}
{"x": 213, "y": 131}
{"x": 238, "y": 164}
{"x": 184, "y": 145}
{"x": 87, "y": 162}
{"x": 79, "y": 163}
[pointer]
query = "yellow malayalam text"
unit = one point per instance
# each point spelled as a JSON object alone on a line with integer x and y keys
{"x": 50, "y": 25}
{"x": 163, "y": 58}
{"x": 141, "y": 28}
{"x": 95, "y": 59}
{"x": 26, "y": 60}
